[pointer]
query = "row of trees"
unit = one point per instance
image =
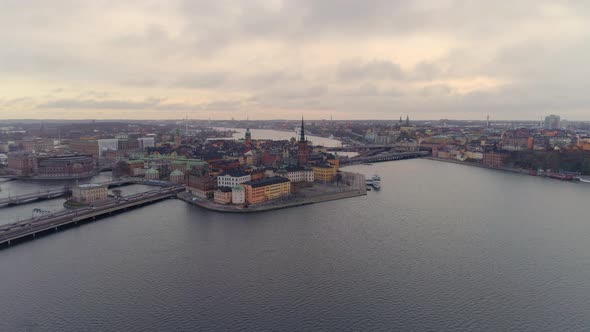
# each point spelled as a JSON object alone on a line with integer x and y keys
{"x": 569, "y": 161}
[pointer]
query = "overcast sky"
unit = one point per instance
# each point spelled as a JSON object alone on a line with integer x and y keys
{"x": 274, "y": 59}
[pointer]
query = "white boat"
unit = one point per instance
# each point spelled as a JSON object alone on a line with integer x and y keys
{"x": 376, "y": 181}
{"x": 585, "y": 179}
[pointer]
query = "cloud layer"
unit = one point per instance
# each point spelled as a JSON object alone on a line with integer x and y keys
{"x": 280, "y": 59}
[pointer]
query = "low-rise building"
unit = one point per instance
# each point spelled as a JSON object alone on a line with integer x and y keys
{"x": 324, "y": 172}
{"x": 238, "y": 195}
{"x": 89, "y": 193}
{"x": 232, "y": 179}
{"x": 152, "y": 174}
{"x": 201, "y": 185}
{"x": 177, "y": 176}
{"x": 65, "y": 166}
{"x": 299, "y": 174}
{"x": 494, "y": 159}
{"x": 266, "y": 189}
{"x": 223, "y": 195}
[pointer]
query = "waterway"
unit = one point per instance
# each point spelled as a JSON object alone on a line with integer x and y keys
{"x": 282, "y": 135}
{"x": 441, "y": 247}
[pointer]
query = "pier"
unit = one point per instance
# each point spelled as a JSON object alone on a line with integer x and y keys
{"x": 30, "y": 228}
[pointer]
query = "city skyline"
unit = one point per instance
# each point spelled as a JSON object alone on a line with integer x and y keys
{"x": 283, "y": 59}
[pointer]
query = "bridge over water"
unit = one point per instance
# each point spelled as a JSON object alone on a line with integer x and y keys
{"x": 54, "y": 193}
{"x": 30, "y": 228}
{"x": 387, "y": 156}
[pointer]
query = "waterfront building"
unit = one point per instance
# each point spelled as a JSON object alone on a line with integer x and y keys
{"x": 302, "y": 147}
{"x": 324, "y": 172}
{"x": 20, "y": 163}
{"x": 70, "y": 166}
{"x": 201, "y": 185}
{"x": 238, "y": 195}
{"x": 266, "y": 189}
{"x": 494, "y": 158}
{"x": 223, "y": 195}
{"x": 152, "y": 174}
{"x": 89, "y": 193}
{"x": 234, "y": 178}
{"x": 177, "y": 176}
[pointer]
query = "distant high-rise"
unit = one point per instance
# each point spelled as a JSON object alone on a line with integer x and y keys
{"x": 552, "y": 122}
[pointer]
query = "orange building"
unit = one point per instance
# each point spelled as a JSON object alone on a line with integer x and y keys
{"x": 266, "y": 189}
{"x": 333, "y": 161}
{"x": 222, "y": 195}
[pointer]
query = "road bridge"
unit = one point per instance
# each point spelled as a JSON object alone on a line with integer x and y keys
{"x": 30, "y": 228}
{"x": 54, "y": 193}
{"x": 388, "y": 156}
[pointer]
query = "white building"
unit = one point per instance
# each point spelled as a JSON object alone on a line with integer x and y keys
{"x": 146, "y": 142}
{"x": 238, "y": 195}
{"x": 232, "y": 180}
{"x": 298, "y": 174}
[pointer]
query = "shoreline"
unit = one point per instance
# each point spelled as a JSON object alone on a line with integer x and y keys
{"x": 504, "y": 169}
{"x": 211, "y": 206}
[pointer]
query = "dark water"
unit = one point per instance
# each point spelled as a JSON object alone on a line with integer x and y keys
{"x": 440, "y": 247}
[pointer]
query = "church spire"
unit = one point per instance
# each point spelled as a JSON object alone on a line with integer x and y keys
{"x": 302, "y": 138}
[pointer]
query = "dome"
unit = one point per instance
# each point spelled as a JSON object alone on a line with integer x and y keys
{"x": 151, "y": 171}
{"x": 177, "y": 173}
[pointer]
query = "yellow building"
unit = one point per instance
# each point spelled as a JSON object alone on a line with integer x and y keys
{"x": 324, "y": 173}
{"x": 266, "y": 189}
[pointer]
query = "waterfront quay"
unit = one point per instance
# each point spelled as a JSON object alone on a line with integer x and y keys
{"x": 319, "y": 192}
{"x": 31, "y": 228}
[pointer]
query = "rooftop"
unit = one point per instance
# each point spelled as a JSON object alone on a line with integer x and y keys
{"x": 266, "y": 182}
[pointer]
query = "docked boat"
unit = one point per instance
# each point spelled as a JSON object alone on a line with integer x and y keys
{"x": 376, "y": 181}
{"x": 584, "y": 179}
{"x": 566, "y": 176}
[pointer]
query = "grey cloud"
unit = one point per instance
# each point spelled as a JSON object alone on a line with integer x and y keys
{"x": 101, "y": 104}
{"x": 201, "y": 80}
{"x": 376, "y": 69}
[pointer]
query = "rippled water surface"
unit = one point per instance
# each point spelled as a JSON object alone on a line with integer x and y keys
{"x": 439, "y": 247}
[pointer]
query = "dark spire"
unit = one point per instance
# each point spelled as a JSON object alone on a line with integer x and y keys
{"x": 302, "y": 138}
